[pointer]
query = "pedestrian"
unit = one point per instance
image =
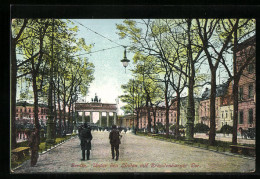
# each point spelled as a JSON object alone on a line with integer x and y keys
{"x": 85, "y": 138}
{"x": 34, "y": 148}
{"x": 114, "y": 141}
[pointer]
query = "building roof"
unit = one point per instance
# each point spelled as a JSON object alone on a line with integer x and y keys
{"x": 246, "y": 43}
{"x": 220, "y": 91}
{"x": 25, "y": 103}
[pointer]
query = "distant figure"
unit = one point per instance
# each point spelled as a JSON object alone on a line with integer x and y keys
{"x": 114, "y": 141}
{"x": 125, "y": 130}
{"x": 34, "y": 149}
{"x": 85, "y": 138}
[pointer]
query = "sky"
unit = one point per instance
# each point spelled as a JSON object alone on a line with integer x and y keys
{"x": 109, "y": 72}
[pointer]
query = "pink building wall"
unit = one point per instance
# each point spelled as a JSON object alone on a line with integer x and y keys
{"x": 160, "y": 117}
{"x": 204, "y": 111}
{"x": 248, "y": 78}
{"x": 27, "y": 113}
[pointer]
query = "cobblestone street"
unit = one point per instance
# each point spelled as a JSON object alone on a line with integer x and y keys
{"x": 137, "y": 154}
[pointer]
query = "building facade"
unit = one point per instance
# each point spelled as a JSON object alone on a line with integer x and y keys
{"x": 226, "y": 108}
{"x": 127, "y": 121}
{"x": 160, "y": 112}
{"x": 25, "y": 112}
{"x": 160, "y": 116}
{"x": 247, "y": 85}
{"x": 204, "y": 108}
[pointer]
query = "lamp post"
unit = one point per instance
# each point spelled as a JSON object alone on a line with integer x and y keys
{"x": 50, "y": 138}
{"x": 132, "y": 92}
{"x": 125, "y": 61}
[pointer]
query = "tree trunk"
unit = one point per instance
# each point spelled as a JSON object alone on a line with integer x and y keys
{"x": 55, "y": 111}
{"x": 190, "y": 108}
{"x": 64, "y": 113}
{"x": 166, "y": 111}
{"x": 148, "y": 114}
{"x": 235, "y": 90}
{"x": 235, "y": 115}
{"x": 154, "y": 117}
{"x": 212, "y": 131}
{"x": 137, "y": 119}
{"x": 13, "y": 93}
{"x": 178, "y": 115}
{"x": 59, "y": 104}
{"x": 69, "y": 118}
{"x": 36, "y": 119}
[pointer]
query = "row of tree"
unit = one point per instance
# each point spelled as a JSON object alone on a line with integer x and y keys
{"x": 44, "y": 54}
{"x": 171, "y": 56}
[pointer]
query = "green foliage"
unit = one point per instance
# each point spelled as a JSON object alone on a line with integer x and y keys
{"x": 172, "y": 127}
{"x": 226, "y": 129}
{"x": 72, "y": 72}
{"x": 160, "y": 126}
{"x": 200, "y": 127}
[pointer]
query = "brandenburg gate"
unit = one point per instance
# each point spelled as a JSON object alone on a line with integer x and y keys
{"x": 96, "y": 106}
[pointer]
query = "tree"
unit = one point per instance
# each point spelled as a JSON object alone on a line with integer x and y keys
{"x": 214, "y": 49}
{"x": 41, "y": 55}
{"x": 18, "y": 26}
{"x": 156, "y": 38}
{"x": 242, "y": 28}
{"x": 36, "y": 66}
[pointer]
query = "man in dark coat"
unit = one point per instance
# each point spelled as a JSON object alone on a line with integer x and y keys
{"x": 85, "y": 138}
{"x": 114, "y": 141}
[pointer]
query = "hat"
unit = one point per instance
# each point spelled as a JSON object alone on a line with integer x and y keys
{"x": 113, "y": 126}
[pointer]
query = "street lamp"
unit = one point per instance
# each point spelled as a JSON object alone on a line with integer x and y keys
{"x": 125, "y": 61}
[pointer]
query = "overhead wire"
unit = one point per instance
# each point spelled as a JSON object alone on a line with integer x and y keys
{"x": 97, "y": 51}
{"x": 99, "y": 34}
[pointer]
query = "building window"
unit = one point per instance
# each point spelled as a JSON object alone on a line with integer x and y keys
{"x": 250, "y": 116}
{"x": 250, "y": 91}
{"x": 226, "y": 114}
{"x": 30, "y": 110}
{"x": 21, "y": 110}
{"x": 250, "y": 68}
{"x": 222, "y": 115}
{"x": 240, "y": 93}
{"x": 16, "y": 110}
{"x": 41, "y": 117}
{"x": 241, "y": 117}
{"x": 25, "y": 110}
{"x": 42, "y": 111}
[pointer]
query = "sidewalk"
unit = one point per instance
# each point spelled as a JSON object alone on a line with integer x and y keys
{"x": 226, "y": 138}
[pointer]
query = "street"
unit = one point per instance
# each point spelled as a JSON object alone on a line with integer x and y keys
{"x": 137, "y": 154}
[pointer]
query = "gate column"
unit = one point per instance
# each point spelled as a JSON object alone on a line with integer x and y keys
{"x": 107, "y": 119}
{"x": 114, "y": 114}
{"x": 83, "y": 116}
{"x": 100, "y": 118}
{"x": 91, "y": 117}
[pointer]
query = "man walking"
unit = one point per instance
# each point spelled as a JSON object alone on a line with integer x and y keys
{"x": 114, "y": 141}
{"x": 85, "y": 138}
